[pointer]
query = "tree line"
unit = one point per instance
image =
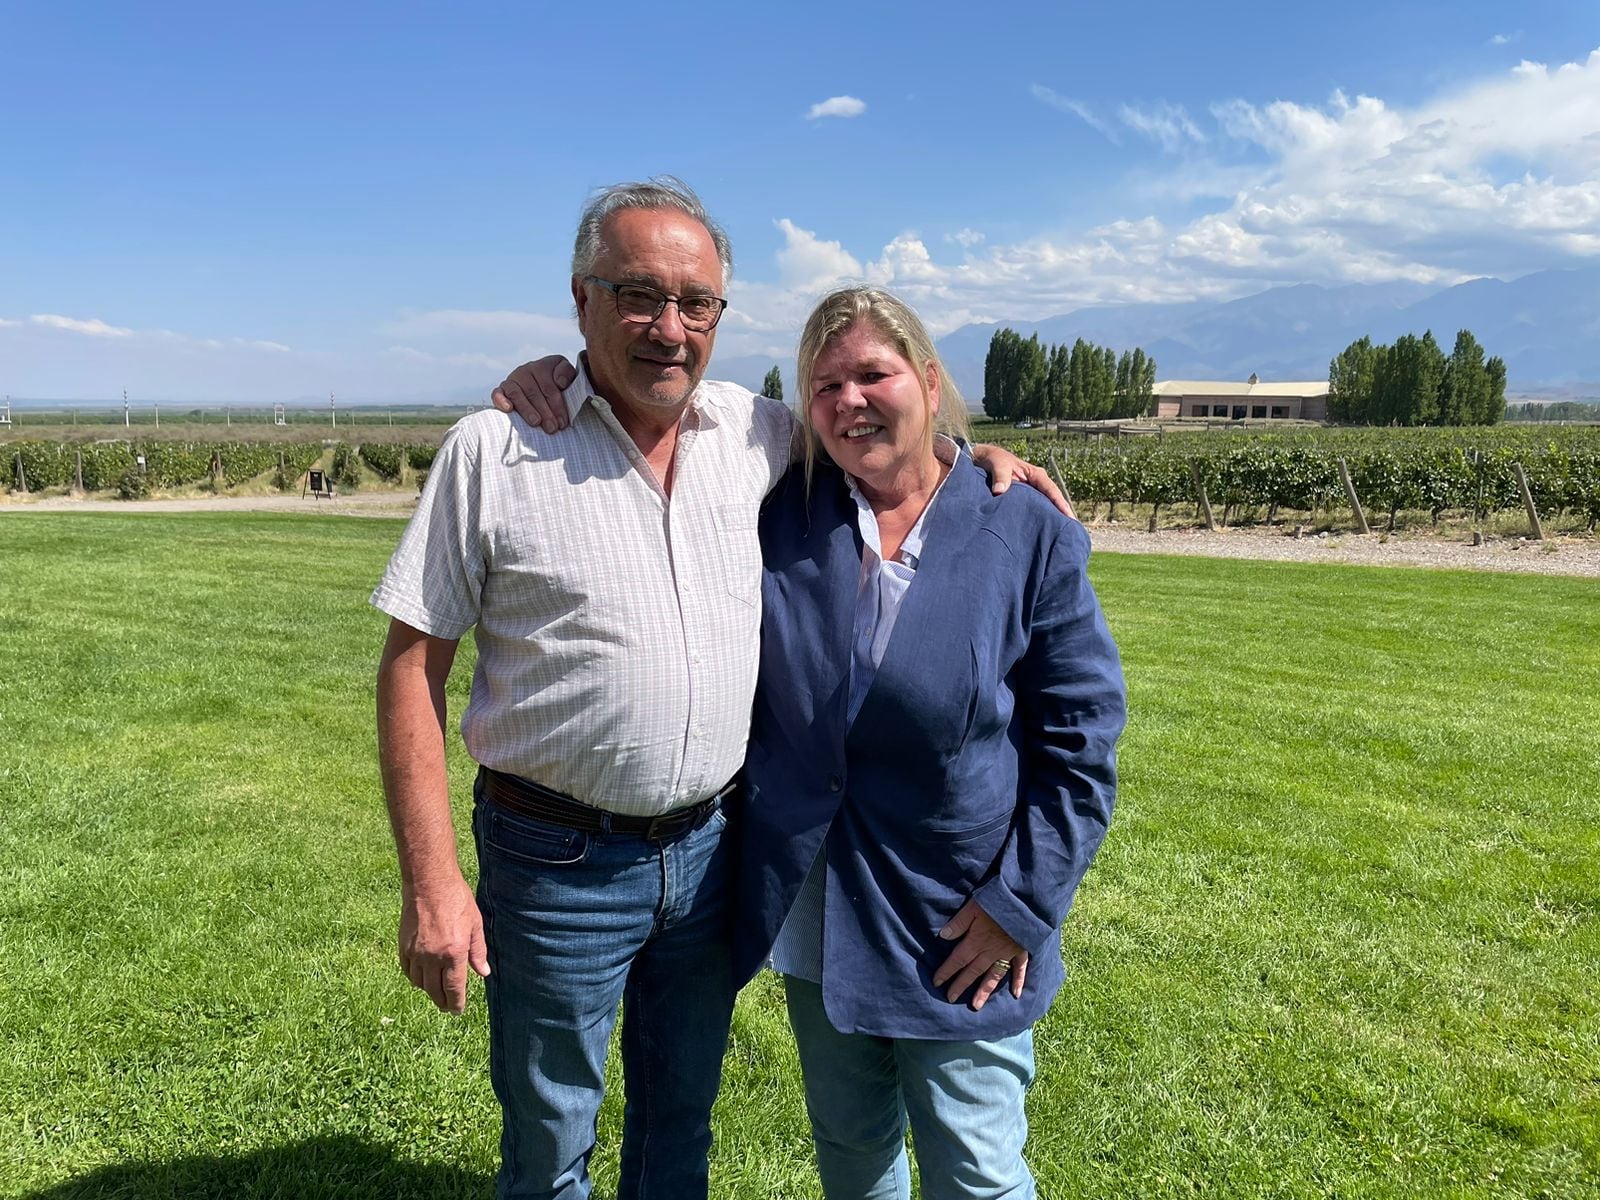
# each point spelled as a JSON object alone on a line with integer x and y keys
{"x": 1027, "y": 380}
{"x": 1413, "y": 383}
{"x": 1556, "y": 410}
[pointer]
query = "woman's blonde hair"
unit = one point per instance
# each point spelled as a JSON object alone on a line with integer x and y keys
{"x": 893, "y": 320}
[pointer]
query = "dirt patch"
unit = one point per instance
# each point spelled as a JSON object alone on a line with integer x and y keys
{"x": 1554, "y": 556}
{"x": 355, "y": 504}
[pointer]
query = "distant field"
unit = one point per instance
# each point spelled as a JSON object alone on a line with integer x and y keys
{"x": 1342, "y": 940}
{"x": 422, "y": 428}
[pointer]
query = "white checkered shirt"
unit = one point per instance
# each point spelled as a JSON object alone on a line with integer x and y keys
{"x": 617, "y": 629}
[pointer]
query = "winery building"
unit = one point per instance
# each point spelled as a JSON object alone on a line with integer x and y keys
{"x": 1251, "y": 400}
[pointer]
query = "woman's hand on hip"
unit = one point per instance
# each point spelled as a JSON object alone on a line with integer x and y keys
{"x": 983, "y": 954}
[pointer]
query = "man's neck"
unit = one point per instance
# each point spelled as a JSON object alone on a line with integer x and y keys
{"x": 652, "y": 429}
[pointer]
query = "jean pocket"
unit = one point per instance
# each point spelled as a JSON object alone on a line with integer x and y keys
{"x": 524, "y": 839}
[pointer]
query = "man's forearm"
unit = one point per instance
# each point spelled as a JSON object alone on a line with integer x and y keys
{"x": 411, "y": 716}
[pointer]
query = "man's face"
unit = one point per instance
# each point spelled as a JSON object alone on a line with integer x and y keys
{"x": 648, "y": 366}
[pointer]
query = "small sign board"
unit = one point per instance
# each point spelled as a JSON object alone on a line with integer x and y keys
{"x": 319, "y": 483}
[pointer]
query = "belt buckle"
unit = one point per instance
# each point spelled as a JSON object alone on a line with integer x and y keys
{"x": 682, "y": 821}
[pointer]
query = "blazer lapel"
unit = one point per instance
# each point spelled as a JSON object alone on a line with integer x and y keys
{"x": 923, "y": 619}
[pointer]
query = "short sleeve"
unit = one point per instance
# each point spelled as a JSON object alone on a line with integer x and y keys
{"x": 779, "y": 435}
{"x": 434, "y": 581}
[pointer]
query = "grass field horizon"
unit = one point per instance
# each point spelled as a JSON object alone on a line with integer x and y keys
{"x": 1342, "y": 939}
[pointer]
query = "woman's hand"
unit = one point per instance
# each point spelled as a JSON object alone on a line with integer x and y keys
{"x": 983, "y": 954}
{"x": 533, "y": 392}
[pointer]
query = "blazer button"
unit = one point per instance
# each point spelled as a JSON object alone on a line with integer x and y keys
{"x": 835, "y": 784}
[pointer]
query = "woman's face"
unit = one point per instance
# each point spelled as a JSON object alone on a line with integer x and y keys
{"x": 867, "y": 405}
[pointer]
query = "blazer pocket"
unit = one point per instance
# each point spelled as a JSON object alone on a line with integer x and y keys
{"x": 972, "y": 833}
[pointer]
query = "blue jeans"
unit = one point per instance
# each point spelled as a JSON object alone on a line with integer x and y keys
{"x": 963, "y": 1099}
{"x": 576, "y": 922}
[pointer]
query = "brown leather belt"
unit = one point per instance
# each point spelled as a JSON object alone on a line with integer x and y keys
{"x": 534, "y": 800}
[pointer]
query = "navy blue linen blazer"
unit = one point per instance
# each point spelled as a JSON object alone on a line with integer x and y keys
{"x": 981, "y": 764}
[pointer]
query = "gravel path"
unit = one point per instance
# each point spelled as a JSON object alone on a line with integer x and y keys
{"x": 1555, "y": 556}
{"x": 356, "y": 504}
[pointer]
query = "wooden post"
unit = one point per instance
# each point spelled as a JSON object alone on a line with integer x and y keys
{"x": 1200, "y": 490}
{"x": 1527, "y": 502}
{"x": 1350, "y": 495}
{"x": 1055, "y": 469}
{"x": 77, "y": 469}
{"x": 22, "y": 478}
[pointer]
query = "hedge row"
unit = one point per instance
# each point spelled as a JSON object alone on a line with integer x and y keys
{"x": 1437, "y": 471}
{"x": 166, "y": 464}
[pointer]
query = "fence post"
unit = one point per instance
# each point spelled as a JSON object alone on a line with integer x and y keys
{"x": 22, "y": 478}
{"x": 77, "y": 469}
{"x": 1055, "y": 469}
{"x": 1200, "y": 490}
{"x": 1527, "y": 501}
{"x": 1350, "y": 495}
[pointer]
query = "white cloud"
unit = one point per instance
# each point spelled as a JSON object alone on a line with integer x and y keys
{"x": 93, "y": 327}
{"x": 491, "y": 323}
{"x": 1498, "y": 176}
{"x": 1076, "y": 108}
{"x": 808, "y": 263}
{"x": 1168, "y": 125}
{"x": 837, "y": 106}
{"x": 475, "y": 362}
{"x": 1500, "y": 39}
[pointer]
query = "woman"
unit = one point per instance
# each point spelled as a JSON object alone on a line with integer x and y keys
{"x": 931, "y": 766}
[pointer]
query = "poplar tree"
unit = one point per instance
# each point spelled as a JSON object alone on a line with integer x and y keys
{"x": 772, "y": 385}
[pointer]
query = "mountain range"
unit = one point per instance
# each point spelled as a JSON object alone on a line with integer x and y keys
{"x": 1545, "y": 325}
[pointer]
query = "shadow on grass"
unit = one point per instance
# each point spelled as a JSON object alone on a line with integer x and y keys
{"x": 344, "y": 1167}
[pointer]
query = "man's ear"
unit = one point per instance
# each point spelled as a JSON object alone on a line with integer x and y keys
{"x": 580, "y": 298}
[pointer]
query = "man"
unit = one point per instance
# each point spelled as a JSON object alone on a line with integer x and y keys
{"x": 611, "y": 571}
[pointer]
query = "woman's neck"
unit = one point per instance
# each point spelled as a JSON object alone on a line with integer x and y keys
{"x": 897, "y": 502}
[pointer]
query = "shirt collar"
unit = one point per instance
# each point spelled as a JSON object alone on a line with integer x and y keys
{"x": 948, "y": 451}
{"x": 705, "y": 401}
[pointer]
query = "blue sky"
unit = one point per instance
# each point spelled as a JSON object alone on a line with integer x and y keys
{"x": 258, "y": 203}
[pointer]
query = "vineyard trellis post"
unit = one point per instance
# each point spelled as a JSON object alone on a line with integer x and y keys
{"x": 1350, "y": 494}
{"x": 1527, "y": 500}
{"x": 1200, "y": 491}
{"x": 1061, "y": 481}
{"x": 77, "y": 470}
{"x": 22, "y": 478}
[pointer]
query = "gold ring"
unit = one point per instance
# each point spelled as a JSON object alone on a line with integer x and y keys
{"x": 1003, "y": 965}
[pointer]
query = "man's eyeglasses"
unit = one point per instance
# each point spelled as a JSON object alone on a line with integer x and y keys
{"x": 643, "y": 305}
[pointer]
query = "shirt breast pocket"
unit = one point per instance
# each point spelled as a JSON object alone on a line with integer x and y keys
{"x": 740, "y": 544}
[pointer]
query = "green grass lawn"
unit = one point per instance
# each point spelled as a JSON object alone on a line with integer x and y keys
{"x": 1342, "y": 939}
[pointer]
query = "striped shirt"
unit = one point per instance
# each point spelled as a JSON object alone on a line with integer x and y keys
{"x": 617, "y": 627}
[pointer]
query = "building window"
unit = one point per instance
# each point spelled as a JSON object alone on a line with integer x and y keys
{"x": 1199, "y": 410}
{"x": 1219, "y": 410}
{"x": 1258, "y": 410}
{"x": 1238, "y": 412}
{"x": 1280, "y": 410}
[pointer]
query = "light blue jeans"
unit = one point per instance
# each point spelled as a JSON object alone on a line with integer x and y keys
{"x": 963, "y": 1100}
{"x": 576, "y": 923}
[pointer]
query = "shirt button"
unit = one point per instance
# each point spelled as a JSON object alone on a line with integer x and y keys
{"x": 835, "y": 783}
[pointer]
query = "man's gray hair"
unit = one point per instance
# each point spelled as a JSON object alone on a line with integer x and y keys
{"x": 660, "y": 192}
